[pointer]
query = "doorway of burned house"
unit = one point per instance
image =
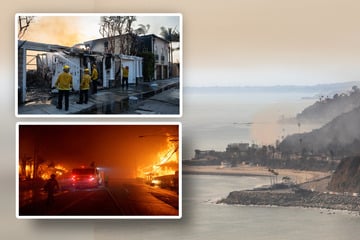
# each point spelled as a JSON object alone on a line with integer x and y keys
{"x": 38, "y": 76}
{"x": 118, "y": 72}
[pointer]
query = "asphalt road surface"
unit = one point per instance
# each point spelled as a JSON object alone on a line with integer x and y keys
{"x": 120, "y": 198}
{"x": 166, "y": 102}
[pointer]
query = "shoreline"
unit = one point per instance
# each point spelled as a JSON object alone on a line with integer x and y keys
{"x": 296, "y": 176}
{"x": 309, "y": 191}
{"x": 240, "y": 174}
{"x": 293, "y": 198}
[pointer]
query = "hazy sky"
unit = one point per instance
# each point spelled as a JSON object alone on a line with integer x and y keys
{"x": 89, "y": 26}
{"x": 70, "y": 29}
{"x": 260, "y": 42}
{"x": 273, "y": 42}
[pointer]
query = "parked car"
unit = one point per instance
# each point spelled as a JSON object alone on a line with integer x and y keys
{"x": 65, "y": 181}
{"x": 86, "y": 177}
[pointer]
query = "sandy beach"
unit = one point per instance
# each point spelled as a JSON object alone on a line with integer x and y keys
{"x": 296, "y": 176}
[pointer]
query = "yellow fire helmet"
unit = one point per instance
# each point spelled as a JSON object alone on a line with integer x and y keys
{"x": 66, "y": 67}
{"x": 86, "y": 70}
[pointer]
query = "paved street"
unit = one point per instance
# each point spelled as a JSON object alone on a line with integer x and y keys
{"x": 122, "y": 197}
{"x": 115, "y": 101}
{"x": 166, "y": 102}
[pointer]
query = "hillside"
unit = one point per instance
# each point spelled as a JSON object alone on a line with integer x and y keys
{"x": 338, "y": 138}
{"x": 328, "y": 108}
{"x": 347, "y": 176}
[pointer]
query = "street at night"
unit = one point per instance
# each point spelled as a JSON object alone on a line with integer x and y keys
{"x": 122, "y": 197}
{"x": 99, "y": 170}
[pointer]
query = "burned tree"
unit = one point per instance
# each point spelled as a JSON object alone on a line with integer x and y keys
{"x": 23, "y": 24}
{"x": 119, "y": 33}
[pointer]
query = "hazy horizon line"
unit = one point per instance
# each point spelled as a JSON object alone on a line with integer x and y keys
{"x": 348, "y": 83}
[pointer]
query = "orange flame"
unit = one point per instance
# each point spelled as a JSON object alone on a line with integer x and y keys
{"x": 47, "y": 171}
{"x": 167, "y": 162}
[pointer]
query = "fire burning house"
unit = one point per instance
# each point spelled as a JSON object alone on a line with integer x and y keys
{"x": 164, "y": 172}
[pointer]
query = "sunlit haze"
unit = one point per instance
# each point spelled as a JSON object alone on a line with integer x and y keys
{"x": 69, "y": 30}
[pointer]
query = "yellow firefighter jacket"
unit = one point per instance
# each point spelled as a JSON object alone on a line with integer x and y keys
{"x": 94, "y": 74}
{"x": 64, "y": 81}
{"x": 125, "y": 72}
{"x": 85, "y": 82}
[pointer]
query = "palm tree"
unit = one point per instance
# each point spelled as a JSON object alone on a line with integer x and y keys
{"x": 171, "y": 35}
{"x": 142, "y": 29}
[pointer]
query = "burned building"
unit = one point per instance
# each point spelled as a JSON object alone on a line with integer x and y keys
{"x": 39, "y": 64}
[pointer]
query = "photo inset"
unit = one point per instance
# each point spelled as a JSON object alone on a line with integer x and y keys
{"x": 115, "y": 65}
{"x": 99, "y": 171}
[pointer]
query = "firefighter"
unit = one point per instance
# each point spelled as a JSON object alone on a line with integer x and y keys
{"x": 94, "y": 78}
{"x": 64, "y": 84}
{"x": 51, "y": 187}
{"x": 125, "y": 78}
{"x": 84, "y": 87}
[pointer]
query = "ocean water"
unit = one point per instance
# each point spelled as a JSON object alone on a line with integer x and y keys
{"x": 204, "y": 219}
{"x": 253, "y": 222}
{"x": 211, "y": 120}
{"x": 214, "y": 118}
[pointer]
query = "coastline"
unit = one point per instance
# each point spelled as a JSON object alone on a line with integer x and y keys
{"x": 296, "y": 176}
{"x": 309, "y": 191}
{"x": 293, "y": 198}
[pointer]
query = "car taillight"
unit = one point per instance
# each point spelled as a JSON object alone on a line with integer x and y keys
{"x": 91, "y": 178}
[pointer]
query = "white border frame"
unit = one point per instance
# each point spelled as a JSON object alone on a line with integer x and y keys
{"x": 179, "y": 216}
{"x": 181, "y": 86}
